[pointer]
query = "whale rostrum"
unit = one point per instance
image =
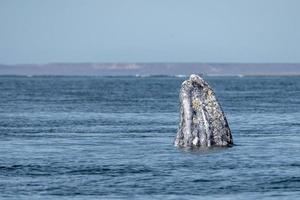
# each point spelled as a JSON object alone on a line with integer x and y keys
{"x": 202, "y": 120}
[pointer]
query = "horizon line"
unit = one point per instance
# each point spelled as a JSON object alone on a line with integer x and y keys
{"x": 154, "y": 62}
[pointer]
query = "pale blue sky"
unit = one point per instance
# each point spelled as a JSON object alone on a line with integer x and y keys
{"x": 36, "y": 31}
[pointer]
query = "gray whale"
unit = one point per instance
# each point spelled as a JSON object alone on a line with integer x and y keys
{"x": 202, "y": 120}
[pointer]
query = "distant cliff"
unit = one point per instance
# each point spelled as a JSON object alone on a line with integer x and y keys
{"x": 114, "y": 69}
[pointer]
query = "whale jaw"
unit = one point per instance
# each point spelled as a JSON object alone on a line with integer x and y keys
{"x": 202, "y": 120}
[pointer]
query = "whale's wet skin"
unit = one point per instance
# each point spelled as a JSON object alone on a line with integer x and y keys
{"x": 111, "y": 137}
{"x": 202, "y": 120}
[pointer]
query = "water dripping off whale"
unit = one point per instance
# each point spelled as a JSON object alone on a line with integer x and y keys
{"x": 202, "y": 120}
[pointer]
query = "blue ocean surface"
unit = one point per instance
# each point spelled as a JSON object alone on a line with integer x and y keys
{"x": 112, "y": 138}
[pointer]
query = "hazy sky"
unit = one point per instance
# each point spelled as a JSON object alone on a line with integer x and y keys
{"x": 41, "y": 31}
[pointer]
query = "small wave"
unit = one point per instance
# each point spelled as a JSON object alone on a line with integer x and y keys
{"x": 31, "y": 170}
{"x": 287, "y": 180}
{"x": 38, "y": 170}
{"x": 202, "y": 180}
{"x": 111, "y": 171}
{"x": 295, "y": 165}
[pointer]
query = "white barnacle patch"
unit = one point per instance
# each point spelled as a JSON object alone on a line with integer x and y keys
{"x": 195, "y": 141}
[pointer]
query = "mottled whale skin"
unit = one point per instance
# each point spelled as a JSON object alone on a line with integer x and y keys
{"x": 202, "y": 120}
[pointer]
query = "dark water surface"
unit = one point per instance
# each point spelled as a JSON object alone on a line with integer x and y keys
{"x": 111, "y": 138}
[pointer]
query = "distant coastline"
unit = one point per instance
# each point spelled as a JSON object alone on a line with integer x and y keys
{"x": 151, "y": 69}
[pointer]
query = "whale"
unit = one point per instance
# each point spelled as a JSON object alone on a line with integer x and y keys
{"x": 202, "y": 120}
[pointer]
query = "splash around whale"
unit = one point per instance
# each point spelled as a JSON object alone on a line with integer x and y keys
{"x": 202, "y": 120}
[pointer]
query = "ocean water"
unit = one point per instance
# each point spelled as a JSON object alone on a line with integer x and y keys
{"x": 112, "y": 138}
